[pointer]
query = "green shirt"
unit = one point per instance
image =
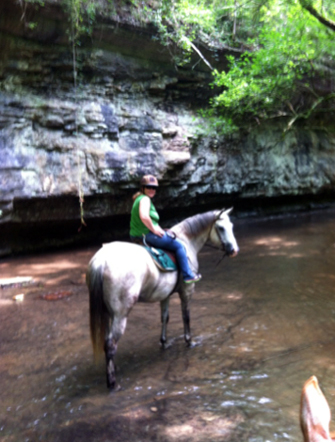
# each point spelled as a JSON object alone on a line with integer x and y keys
{"x": 137, "y": 228}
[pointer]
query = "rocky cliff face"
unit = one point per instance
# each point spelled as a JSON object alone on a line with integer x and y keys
{"x": 131, "y": 113}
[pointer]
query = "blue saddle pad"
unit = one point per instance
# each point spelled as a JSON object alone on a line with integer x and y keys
{"x": 162, "y": 259}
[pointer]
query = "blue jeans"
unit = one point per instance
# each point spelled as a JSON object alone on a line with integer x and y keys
{"x": 172, "y": 245}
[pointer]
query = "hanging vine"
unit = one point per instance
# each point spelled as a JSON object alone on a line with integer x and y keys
{"x": 78, "y": 27}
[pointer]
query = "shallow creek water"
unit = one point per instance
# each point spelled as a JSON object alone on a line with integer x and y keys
{"x": 262, "y": 323}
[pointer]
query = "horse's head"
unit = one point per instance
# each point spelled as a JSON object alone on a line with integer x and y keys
{"x": 222, "y": 234}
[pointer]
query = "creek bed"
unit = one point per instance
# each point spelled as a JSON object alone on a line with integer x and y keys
{"x": 262, "y": 324}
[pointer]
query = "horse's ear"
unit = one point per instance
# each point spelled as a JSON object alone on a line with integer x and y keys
{"x": 220, "y": 212}
{"x": 226, "y": 211}
{"x": 314, "y": 412}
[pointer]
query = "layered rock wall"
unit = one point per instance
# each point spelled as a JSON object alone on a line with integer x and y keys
{"x": 131, "y": 112}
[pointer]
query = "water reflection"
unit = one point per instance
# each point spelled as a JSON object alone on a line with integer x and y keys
{"x": 262, "y": 324}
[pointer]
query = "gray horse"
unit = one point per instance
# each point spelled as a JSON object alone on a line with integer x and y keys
{"x": 121, "y": 274}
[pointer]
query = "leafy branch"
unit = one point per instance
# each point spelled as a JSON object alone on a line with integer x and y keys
{"x": 306, "y": 4}
{"x": 266, "y": 82}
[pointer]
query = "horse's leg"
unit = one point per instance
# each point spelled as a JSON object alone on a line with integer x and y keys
{"x": 113, "y": 335}
{"x": 165, "y": 320}
{"x": 186, "y": 320}
{"x": 185, "y": 298}
{"x": 110, "y": 350}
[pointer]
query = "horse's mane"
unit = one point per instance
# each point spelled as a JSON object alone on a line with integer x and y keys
{"x": 195, "y": 225}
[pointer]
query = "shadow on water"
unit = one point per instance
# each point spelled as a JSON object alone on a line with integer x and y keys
{"x": 262, "y": 324}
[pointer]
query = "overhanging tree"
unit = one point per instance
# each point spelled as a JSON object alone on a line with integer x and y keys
{"x": 288, "y": 73}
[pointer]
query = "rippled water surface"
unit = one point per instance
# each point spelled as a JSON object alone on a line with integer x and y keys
{"x": 263, "y": 323}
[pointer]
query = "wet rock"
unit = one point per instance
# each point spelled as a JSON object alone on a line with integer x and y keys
{"x": 54, "y": 121}
{"x": 176, "y": 158}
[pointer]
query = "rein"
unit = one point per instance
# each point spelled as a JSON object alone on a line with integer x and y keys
{"x": 217, "y": 248}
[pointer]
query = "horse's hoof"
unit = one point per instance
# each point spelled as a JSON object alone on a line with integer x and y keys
{"x": 111, "y": 383}
{"x": 115, "y": 388}
{"x": 166, "y": 345}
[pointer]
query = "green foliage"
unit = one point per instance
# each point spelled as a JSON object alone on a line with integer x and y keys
{"x": 183, "y": 22}
{"x": 258, "y": 80}
{"x": 23, "y": 4}
{"x": 279, "y": 76}
{"x": 179, "y": 23}
{"x": 287, "y": 51}
{"x": 81, "y": 15}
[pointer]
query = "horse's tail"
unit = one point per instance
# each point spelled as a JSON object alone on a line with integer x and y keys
{"x": 99, "y": 316}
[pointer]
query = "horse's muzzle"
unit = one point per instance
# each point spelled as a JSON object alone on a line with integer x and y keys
{"x": 231, "y": 251}
{"x": 233, "y": 254}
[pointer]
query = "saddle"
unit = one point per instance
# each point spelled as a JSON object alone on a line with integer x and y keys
{"x": 164, "y": 260}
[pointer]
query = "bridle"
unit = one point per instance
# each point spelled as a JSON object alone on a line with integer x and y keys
{"x": 222, "y": 245}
